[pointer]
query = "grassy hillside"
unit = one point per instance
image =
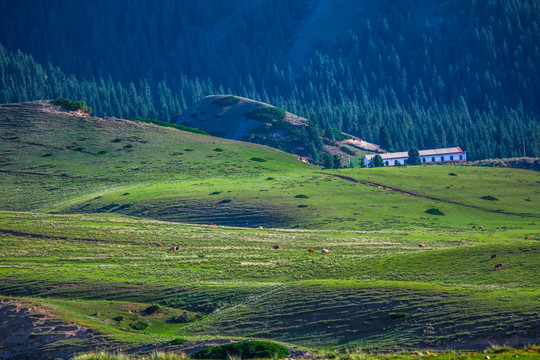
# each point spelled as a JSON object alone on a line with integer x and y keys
{"x": 85, "y": 200}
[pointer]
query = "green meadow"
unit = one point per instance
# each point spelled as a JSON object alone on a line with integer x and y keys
{"x": 85, "y": 200}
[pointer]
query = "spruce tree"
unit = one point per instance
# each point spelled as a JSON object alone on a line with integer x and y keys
{"x": 414, "y": 157}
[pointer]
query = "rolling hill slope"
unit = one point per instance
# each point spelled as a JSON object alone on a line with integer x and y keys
{"x": 85, "y": 200}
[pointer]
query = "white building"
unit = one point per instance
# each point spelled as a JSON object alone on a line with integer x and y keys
{"x": 433, "y": 156}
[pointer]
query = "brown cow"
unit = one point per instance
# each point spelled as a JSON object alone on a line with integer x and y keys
{"x": 176, "y": 248}
{"x": 498, "y": 266}
{"x": 325, "y": 251}
{"x": 494, "y": 256}
{"x": 311, "y": 250}
{"x": 159, "y": 245}
{"x": 276, "y": 247}
{"x": 527, "y": 238}
{"x": 421, "y": 246}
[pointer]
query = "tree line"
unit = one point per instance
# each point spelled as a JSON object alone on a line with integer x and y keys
{"x": 466, "y": 75}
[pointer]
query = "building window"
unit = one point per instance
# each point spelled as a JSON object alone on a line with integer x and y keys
{"x": 433, "y": 159}
{"x": 386, "y": 163}
{"x": 423, "y": 159}
{"x": 460, "y": 157}
{"x": 442, "y": 158}
{"x": 451, "y": 157}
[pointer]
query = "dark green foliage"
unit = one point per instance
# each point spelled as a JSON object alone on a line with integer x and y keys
{"x": 215, "y": 193}
{"x": 385, "y": 141}
{"x": 140, "y": 325}
{"x": 183, "y": 317}
{"x": 433, "y": 81}
{"x": 110, "y": 206}
{"x": 118, "y": 318}
{"x": 178, "y": 341}
{"x": 218, "y": 149}
{"x": 377, "y": 161}
{"x": 301, "y": 196}
{"x": 346, "y": 150}
{"x": 336, "y": 162}
{"x": 452, "y": 174}
{"x": 225, "y": 201}
{"x": 398, "y": 315}
{"x": 489, "y": 198}
{"x": 152, "y": 309}
{"x": 414, "y": 157}
{"x": 103, "y": 152}
{"x": 258, "y": 159}
{"x": 166, "y": 124}
{"x": 327, "y": 161}
{"x": 244, "y": 350}
{"x": 226, "y": 101}
{"x": 266, "y": 114}
{"x": 516, "y": 163}
{"x": 434, "y": 211}
{"x": 46, "y": 155}
{"x": 117, "y": 140}
{"x": 73, "y": 105}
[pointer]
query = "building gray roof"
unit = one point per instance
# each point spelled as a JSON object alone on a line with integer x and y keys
{"x": 430, "y": 152}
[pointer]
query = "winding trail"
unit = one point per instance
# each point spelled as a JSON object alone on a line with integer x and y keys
{"x": 390, "y": 188}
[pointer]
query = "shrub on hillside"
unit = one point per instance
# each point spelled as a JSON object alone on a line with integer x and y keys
{"x": 257, "y": 159}
{"x": 226, "y": 101}
{"x": 244, "y": 350}
{"x": 140, "y": 325}
{"x": 73, "y": 105}
{"x": 489, "y": 197}
{"x": 152, "y": 309}
{"x": 434, "y": 211}
{"x": 266, "y": 114}
{"x": 346, "y": 150}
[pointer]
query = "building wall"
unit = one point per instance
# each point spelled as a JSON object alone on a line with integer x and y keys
{"x": 431, "y": 159}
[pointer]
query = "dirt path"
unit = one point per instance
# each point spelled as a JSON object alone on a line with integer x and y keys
{"x": 390, "y": 188}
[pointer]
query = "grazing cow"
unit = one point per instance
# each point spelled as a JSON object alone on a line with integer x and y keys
{"x": 527, "y": 238}
{"x": 498, "y": 266}
{"x": 474, "y": 227}
{"x": 213, "y": 224}
{"x": 159, "y": 245}
{"x": 276, "y": 247}
{"x": 172, "y": 248}
{"x": 421, "y": 246}
{"x": 176, "y": 248}
{"x": 325, "y": 251}
{"x": 481, "y": 227}
{"x": 311, "y": 250}
{"x": 494, "y": 256}
{"x": 505, "y": 228}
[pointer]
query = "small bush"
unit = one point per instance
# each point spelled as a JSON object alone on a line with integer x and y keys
{"x": 118, "y": 318}
{"x": 346, "y": 150}
{"x": 269, "y": 178}
{"x": 117, "y": 140}
{"x": 215, "y": 193}
{"x": 73, "y": 105}
{"x": 266, "y": 114}
{"x": 124, "y": 194}
{"x": 301, "y": 196}
{"x": 434, "y": 211}
{"x": 178, "y": 341}
{"x": 226, "y": 101}
{"x": 189, "y": 149}
{"x": 225, "y": 201}
{"x": 257, "y": 159}
{"x": 109, "y": 207}
{"x": 489, "y": 197}
{"x": 245, "y": 350}
{"x": 140, "y": 325}
{"x": 128, "y": 146}
{"x": 103, "y": 152}
{"x": 46, "y": 155}
{"x": 184, "y": 317}
{"x": 218, "y": 149}
{"x": 452, "y": 174}
{"x": 302, "y": 206}
{"x": 398, "y": 315}
{"x": 152, "y": 309}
